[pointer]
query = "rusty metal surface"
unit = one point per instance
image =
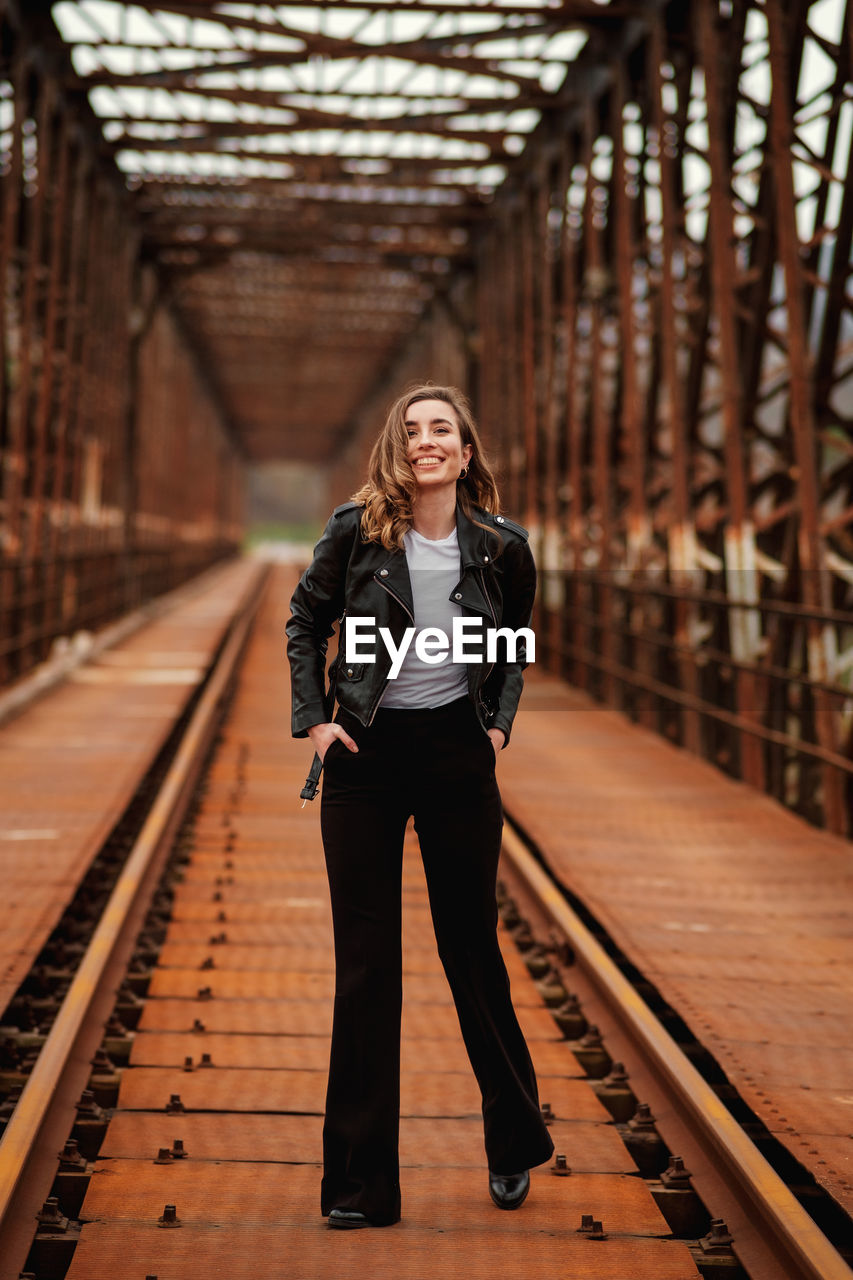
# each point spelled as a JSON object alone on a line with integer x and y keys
{"x": 153, "y": 1049}
{"x": 104, "y": 409}
{"x": 664, "y": 326}
{"x": 728, "y": 904}
{"x": 267, "y": 1193}
{"x": 259, "y": 1252}
{"x": 773, "y": 1234}
{"x": 252, "y": 1128}
{"x": 70, "y": 764}
{"x": 304, "y": 1017}
{"x": 43, "y": 1111}
{"x": 589, "y": 1146}
{"x": 423, "y": 1093}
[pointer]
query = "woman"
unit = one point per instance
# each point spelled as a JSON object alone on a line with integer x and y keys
{"x": 420, "y": 546}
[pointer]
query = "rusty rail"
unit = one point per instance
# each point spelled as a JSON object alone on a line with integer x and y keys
{"x": 47, "y": 1101}
{"x": 786, "y": 1241}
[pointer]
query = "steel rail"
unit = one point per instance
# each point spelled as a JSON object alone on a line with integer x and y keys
{"x": 20, "y": 1138}
{"x": 714, "y": 599}
{"x": 795, "y": 1237}
{"x": 636, "y": 680}
{"x": 722, "y": 658}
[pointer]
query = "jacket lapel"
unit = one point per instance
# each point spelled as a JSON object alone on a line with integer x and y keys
{"x": 393, "y": 573}
{"x": 477, "y": 549}
{"x": 474, "y": 542}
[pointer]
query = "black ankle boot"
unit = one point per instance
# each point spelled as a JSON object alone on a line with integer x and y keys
{"x": 508, "y": 1190}
{"x": 347, "y": 1218}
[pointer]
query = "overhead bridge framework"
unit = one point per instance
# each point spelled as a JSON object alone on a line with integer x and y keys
{"x": 230, "y": 233}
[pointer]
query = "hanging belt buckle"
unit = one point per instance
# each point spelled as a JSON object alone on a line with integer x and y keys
{"x": 312, "y": 782}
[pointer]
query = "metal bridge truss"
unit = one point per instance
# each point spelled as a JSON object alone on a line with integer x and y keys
{"x": 626, "y": 227}
{"x": 666, "y": 338}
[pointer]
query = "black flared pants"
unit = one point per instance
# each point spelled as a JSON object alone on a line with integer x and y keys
{"x": 437, "y": 765}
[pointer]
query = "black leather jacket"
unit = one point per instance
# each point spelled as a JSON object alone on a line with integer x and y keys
{"x": 498, "y": 584}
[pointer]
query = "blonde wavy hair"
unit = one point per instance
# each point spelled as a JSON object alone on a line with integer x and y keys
{"x": 390, "y": 488}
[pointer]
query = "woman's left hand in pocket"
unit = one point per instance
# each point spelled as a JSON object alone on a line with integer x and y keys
{"x": 497, "y": 738}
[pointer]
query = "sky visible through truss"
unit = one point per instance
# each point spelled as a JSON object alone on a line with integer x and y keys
{"x": 348, "y": 89}
{"x": 349, "y": 156}
{"x": 328, "y": 103}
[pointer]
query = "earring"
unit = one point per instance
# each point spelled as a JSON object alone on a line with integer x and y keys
{"x": 463, "y": 473}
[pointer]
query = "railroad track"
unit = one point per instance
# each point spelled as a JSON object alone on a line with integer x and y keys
{"x": 661, "y": 1103}
{"x": 774, "y": 1238}
{"x": 47, "y": 1109}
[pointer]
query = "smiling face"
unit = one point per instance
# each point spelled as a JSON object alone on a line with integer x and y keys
{"x": 435, "y": 450}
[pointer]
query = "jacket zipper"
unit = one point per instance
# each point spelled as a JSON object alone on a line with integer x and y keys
{"x": 403, "y": 605}
{"x": 495, "y": 621}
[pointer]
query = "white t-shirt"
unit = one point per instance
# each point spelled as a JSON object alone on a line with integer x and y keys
{"x": 434, "y": 569}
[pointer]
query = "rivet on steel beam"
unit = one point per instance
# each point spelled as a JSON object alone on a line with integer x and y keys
{"x": 217, "y": 896}
{"x": 523, "y": 937}
{"x": 560, "y": 1167}
{"x": 50, "y": 1216}
{"x": 170, "y": 1217}
{"x": 547, "y": 1114}
{"x": 188, "y": 1064}
{"x": 206, "y": 1060}
{"x": 218, "y": 937}
{"x": 617, "y": 1076}
{"x": 537, "y": 961}
{"x": 208, "y": 963}
{"x": 642, "y": 1118}
{"x": 198, "y": 1025}
{"x": 87, "y": 1108}
{"x": 179, "y": 1151}
{"x": 676, "y": 1177}
{"x": 71, "y": 1158}
{"x": 164, "y": 1156}
{"x": 592, "y": 1039}
{"x": 205, "y": 993}
{"x": 591, "y": 1227}
{"x": 719, "y": 1239}
{"x": 174, "y": 1103}
{"x": 551, "y": 988}
{"x": 221, "y": 917}
{"x": 569, "y": 1018}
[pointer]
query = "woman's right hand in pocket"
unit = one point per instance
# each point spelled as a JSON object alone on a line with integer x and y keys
{"x": 323, "y": 735}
